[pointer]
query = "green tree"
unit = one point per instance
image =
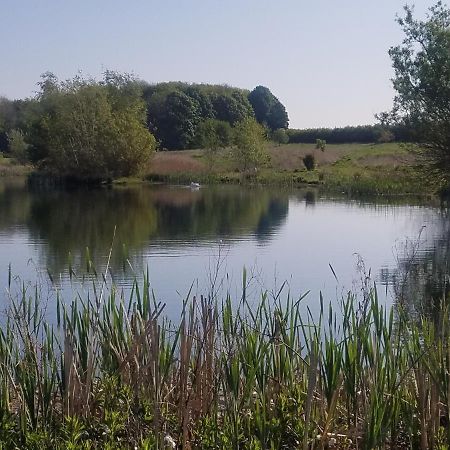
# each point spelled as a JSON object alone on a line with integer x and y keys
{"x": 176, "y": 109}
{"x": 213, "y": 135}
{"x": 249, "y": 150}
{"x": 91, "y": 130}
{"x": 18, "y": 148}
{"x": 422, "y": 83}
{"x": 174, "y": 118}
{"x": 232, "y": 106}
{"x": 280, "y": 136}
{"x": 321, "y": 144}
{"x": 10, "y": 119}
{"x": 268, "y": 109}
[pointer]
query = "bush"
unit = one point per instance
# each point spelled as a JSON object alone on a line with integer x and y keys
{"x": 309, "y": 161}
{"x": 320, "y": 144}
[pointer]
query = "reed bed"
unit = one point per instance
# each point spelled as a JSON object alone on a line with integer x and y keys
{"x": 111, "y": 372}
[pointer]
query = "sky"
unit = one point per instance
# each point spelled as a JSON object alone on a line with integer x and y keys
{"x": 326, "y": 60}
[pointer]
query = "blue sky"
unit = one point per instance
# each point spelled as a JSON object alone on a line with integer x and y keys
{"x": 326, "y": 60}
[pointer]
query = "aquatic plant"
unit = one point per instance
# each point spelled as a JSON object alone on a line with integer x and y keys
{"x": 110, "y": 371}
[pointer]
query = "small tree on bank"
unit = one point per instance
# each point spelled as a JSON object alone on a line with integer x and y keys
{"x": 250, "y": 146}
{"x": 280, "y": 136}
{"x": 321, "y": 144}
{"x": 213, "y": 135}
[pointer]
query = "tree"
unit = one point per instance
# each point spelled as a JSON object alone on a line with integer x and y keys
{"x": 422, "y": 82}
{"x": 176, "y": 109}
{"x": 212, "y": 135}
{"x": 232, "y": 107}
{"x": 321, "y": 144}
{"x": 88, "y": 130}
{"x": 280, "y": 136}
{"x": 174, "y": 118}
{"x": 249, "y": 150}
{"x": 268, "y": 109}
{"x": 9, "y": 120}
{"x": 18, "y": 148}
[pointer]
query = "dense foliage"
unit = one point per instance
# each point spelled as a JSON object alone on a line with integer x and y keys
{"x": 422, "y": 83}
{"x": 176, "y": 110}
{"x": 249, "y": 150}
{"x": 82, "y": 128}
{"x": 268, "y": 109}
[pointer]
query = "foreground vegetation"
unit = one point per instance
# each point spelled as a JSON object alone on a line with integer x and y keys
{"x": 105, "y": 371}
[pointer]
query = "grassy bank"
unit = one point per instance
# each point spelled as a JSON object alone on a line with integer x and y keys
{"x": 350, "y": 168}
{"x": 373, "y": 169}
{"x": 9, "y": 167}
{"x": 112, "y": 373}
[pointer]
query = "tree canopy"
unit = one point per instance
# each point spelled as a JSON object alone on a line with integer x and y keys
{"x": 87, "y": 129}
{"x": 422, "y": 82}
{"x": 176, "y": 110}
{"x": 268, "y": 109}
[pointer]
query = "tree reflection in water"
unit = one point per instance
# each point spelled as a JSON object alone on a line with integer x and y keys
{"x": 68, "y": 222}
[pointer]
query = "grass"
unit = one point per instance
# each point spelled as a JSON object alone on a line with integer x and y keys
{"x": 112, "y": 372}
{"x": 374, "y": 169}
{"x": 11, "y": 168}
{"x": 350, "y": 168}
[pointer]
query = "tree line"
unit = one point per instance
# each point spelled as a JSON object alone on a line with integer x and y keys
{"x": 175, "y": 111}
{"x": 106, "y": 129}
{"x": 362, "y": 134}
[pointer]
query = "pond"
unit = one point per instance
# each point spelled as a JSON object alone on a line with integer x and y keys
{"x": 202, "y": 237}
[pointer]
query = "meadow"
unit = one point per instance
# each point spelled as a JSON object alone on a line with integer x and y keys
{"x": 354, "y": 169}
{"x": 386, "y": 168}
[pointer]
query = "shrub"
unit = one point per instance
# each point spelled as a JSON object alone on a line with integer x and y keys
{"x": 320, "y": 144}
{"x": 309, "y": 161}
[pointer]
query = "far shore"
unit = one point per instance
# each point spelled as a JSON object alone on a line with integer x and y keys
{"x": 375, "y": 169}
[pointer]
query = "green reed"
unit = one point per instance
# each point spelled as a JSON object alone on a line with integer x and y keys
{"x": 110, "y": 371}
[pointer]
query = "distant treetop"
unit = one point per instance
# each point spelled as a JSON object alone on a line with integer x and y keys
{"x": 268, "y": 109}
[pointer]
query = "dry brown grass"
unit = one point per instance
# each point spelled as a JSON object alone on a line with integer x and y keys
{"x": 290, "y": 156}
{"x": 175, "y": 162}
{"x": 284, "y": 158}
{"x": 9, "y": 168}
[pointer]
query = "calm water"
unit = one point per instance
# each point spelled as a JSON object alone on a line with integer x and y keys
{"x": 184, "y": 236}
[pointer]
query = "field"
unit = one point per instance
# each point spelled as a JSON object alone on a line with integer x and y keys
{"x": 358, "y": 168}
{"x": 347, "y": 168}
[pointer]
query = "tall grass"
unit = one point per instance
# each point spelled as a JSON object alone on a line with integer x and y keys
{"x": 109, "y": 371}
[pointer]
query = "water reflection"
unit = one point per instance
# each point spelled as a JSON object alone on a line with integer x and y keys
{"x": 177, "y": 232}
{"x": 420, "y": 280}
{"x": 69, "y": 221}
